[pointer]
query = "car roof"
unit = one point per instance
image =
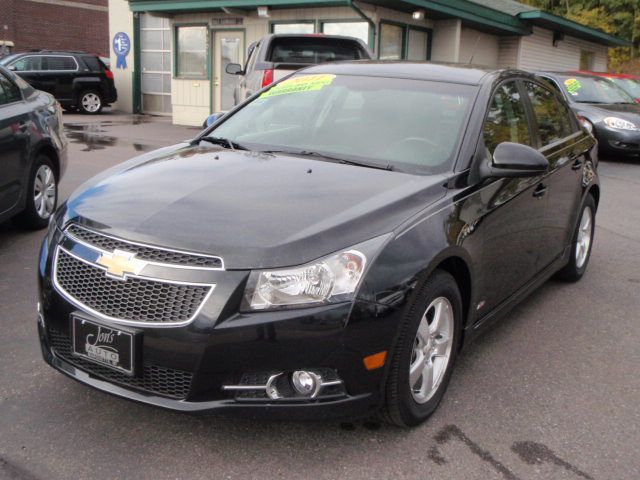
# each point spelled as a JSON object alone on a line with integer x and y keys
{"x": 442, "y": 72}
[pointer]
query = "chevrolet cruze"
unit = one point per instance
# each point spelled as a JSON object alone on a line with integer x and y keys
{"x": 325, "y": 249}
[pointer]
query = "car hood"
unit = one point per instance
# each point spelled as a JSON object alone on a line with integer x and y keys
{"x": 597, "y": 112}
{"x": 254, "y": 210}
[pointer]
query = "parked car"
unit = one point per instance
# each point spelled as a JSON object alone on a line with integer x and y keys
{"x": 324, "y": 250}
{"x": 32, "y": 152}
{"x": 77, "y": 80}
{"x": 606, "y": 109}
{"x": 629, "y": 83}
{"x": 276, "y": 56}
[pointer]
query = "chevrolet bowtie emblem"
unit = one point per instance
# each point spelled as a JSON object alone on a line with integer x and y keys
{"x": 119, "y": 264}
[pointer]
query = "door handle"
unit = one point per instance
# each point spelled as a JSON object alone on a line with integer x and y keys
{"x": 540, "y": 190}
{"x": 23, "y": 126}
{"x": 577, "y": 164}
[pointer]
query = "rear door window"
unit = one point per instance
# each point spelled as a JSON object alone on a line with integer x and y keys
{"x": 313, "y": 50}
{"x": 552, "y": 117}
{"x": 506, "y": 119}
{"x": 60, "y": 64}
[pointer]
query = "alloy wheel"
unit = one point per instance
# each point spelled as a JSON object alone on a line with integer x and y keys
{"x": 584, "y": 237}
{"x": 44, "y": 191}
{"x": 91, "y": 102}
{"x": 431, "y": 350}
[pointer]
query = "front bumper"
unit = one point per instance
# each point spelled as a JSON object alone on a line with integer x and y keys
{"x": 617, "y": 141}
{"x": 186, "y": 367}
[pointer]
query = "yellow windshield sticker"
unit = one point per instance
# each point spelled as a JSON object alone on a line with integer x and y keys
{"x": 305, "y": 83}
{"x": 573, "y": 85}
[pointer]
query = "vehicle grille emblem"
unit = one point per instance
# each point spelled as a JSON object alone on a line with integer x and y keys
{"x": 120, "y": 264}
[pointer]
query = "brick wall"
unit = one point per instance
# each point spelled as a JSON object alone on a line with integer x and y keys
{"x": 56, "y": 24}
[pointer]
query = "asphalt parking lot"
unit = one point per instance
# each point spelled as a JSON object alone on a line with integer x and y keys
{"x": 553, "y": 392}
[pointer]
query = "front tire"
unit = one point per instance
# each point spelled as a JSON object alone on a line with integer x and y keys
{"x": 90, "y": 102}
{"x": 42, "y": 195}
{"x": 424, "y": 356}
{"x": 581, "y": 243}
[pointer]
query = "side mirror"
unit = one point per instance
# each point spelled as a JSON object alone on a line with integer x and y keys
{"x": 234, "y": 69}
{"x": 12, "y": 68}
{"x": 213, "y": 118}
{"x": 514, "y": 160}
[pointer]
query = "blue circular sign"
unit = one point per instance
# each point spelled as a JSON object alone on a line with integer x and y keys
{"x": 121, "y": 47}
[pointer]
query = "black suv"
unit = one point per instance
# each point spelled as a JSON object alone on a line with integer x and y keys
{"x": 77, "y": 80}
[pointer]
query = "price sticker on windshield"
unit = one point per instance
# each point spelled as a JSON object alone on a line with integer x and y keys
{"x": 573, "y": 85}
{"x": 305, "y": 83}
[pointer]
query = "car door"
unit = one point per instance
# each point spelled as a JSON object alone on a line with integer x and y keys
{"x": 563, "y": 143}
{"x": 13, "y": 143}
{"x": 514, "y": 208}
{"x": 58, "y": 74}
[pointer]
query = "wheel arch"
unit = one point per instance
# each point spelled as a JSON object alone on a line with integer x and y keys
{"x": 50, "y": 152}
{"x": 594, "y": 191}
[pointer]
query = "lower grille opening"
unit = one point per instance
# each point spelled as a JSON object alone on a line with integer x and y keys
{"x": 161, "y": 381}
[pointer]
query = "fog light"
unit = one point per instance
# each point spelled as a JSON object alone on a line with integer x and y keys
{"x": 305, "y": 383}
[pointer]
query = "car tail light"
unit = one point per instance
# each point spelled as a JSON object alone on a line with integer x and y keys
{"x": 637, "y": 100}
{"x": 109, "y": 74}
{"x": 267, "y": 78}
{"x": 586, "y": 124}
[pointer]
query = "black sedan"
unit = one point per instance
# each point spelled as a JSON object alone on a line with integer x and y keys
{"x": 606, "y": 109}
{"x": 323, "y": 250}
{"x": 33, "y": 152}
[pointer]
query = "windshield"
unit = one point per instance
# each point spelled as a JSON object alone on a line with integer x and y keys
{"x": 408, "y": 125}
{"x": 629, "y": 85}
{"x": 594, "y": 90}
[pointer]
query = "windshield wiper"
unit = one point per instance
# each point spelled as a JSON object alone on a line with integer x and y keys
{"x": 225, "y": 142}
{"x": 346, "y": 161}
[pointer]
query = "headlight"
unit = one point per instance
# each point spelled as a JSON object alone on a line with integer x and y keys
{"x": 622, "y": 124}
{"x": 331, "y": 279}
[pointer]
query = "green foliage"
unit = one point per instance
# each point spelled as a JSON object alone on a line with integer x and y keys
{"x": 617, "y": 17}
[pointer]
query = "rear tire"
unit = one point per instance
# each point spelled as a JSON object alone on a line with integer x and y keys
{"x": 90, "y": 102}
{"x": 581, "y": 243}
{"x": 424, "y": 356}
{"x": 42, "y": 195}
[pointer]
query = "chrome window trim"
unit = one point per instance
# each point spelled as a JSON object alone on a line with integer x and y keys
{"x": 121, "y": 321}
{"x": 149, "y": 262}
{"x": 45, "y": 71}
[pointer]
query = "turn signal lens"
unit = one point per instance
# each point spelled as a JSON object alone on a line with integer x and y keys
{"x": 375, "y": 361}
{"x": 109, "y": 74}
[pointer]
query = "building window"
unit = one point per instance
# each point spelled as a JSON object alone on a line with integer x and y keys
{"x": 391, "y": 41}
{"x": 586, "y": 60}
{"x": 155, "y": 63}
{"x": 349, "y": 29}
{"x": 294, "y": 27}
{"x": 191, "y": 50}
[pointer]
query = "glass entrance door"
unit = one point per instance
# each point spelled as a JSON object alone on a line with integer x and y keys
{"x": 228, "y": 47}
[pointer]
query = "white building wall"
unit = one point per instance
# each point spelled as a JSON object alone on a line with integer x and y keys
{"x": 446, "y": 41}
{"x": 121, "y": 20}
{"x": 509, "y": 52}
{"x": 538, "y": 53}
{"x": 478, "y": 48}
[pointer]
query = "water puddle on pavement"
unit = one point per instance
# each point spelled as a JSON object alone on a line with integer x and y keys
{"x": 94, "y": 136}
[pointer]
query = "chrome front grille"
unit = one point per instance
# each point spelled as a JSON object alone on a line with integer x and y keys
{"x": 155, "y": 295}
{"x": 144, "y": 252}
